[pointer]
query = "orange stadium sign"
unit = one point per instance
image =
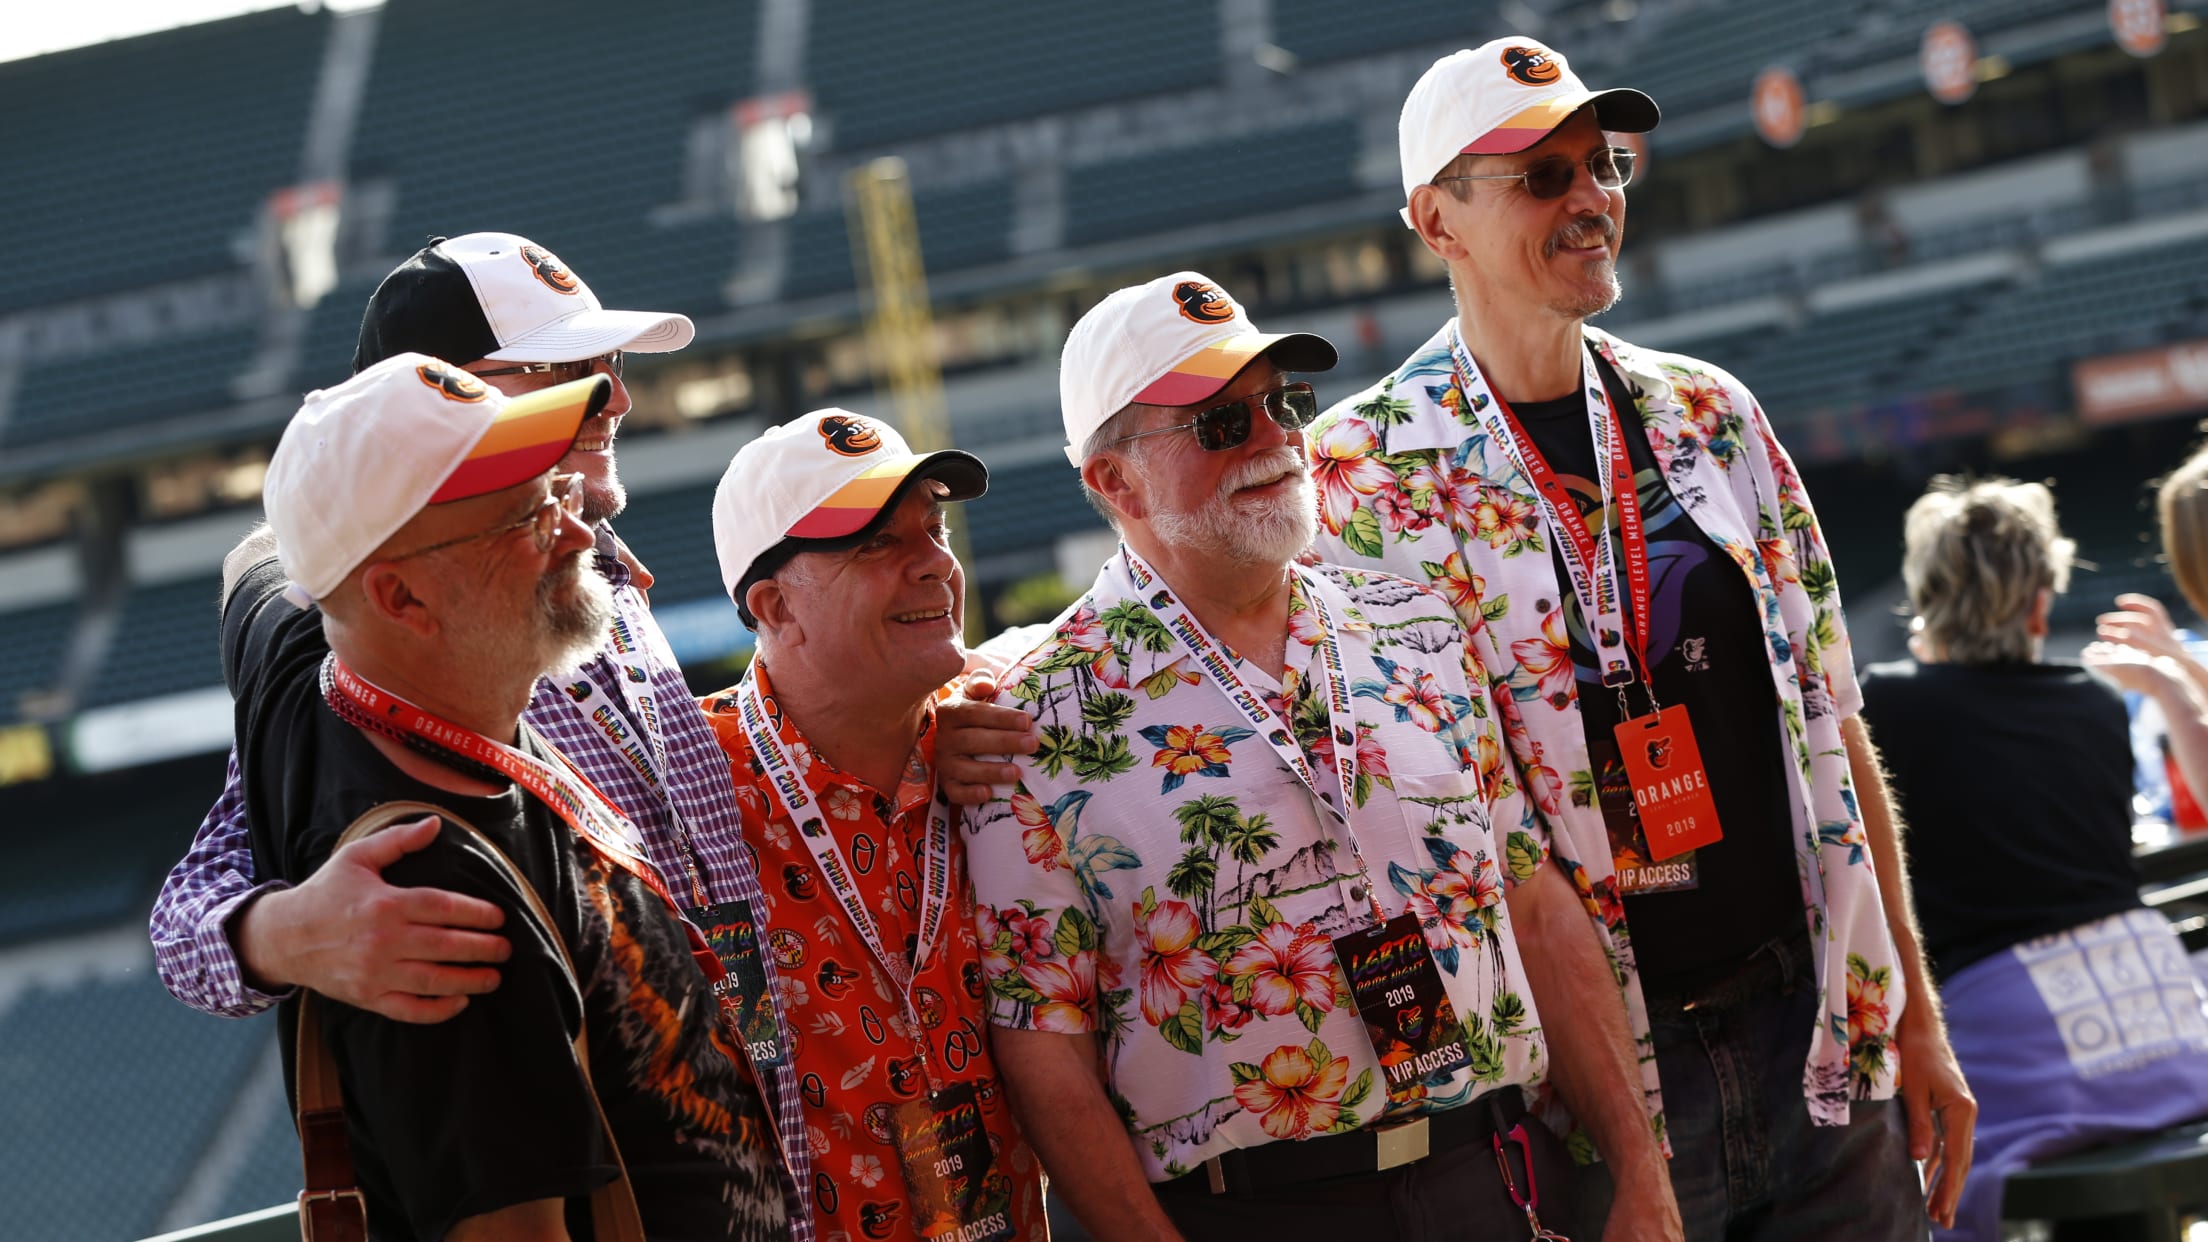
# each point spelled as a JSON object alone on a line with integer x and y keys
{"x": 2141, "y": 27}
{"x": 2171, "y": 379}
{"x": 1779, "y": 105}
{"x": 1949, "y": 57}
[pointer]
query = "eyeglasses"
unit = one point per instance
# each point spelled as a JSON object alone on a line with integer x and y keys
{"x": 547, "y": 521}
{"x": 1227, "y": 426}
{"x": 564, "y": 372}
{"x": 1611, "y": 167}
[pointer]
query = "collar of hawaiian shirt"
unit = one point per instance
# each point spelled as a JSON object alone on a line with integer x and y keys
{"x": 915, "y": 786}
{"x": 1149, "y": 669}
{"x": 1434, "y": 424}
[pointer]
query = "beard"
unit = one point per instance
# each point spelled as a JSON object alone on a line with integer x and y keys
{"x": 603, "y": 499}
{"x": 1605, "y": 291}
{"x": 1249, "y": 530}
{"x": 561, "y": 626}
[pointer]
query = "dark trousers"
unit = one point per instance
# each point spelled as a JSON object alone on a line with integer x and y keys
{"x": 1456, "y": 1194}
{"x": 1748, "y": 1165}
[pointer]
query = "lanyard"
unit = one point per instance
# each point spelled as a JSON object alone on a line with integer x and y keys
{"x": 797, "y": 803}
{"x": 648, "y": 755}
{"x": 1278, "y": 733}
{"x": 1589, "y": 562}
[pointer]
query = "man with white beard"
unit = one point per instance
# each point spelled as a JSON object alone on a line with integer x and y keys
{"x": 1309, "y": 928}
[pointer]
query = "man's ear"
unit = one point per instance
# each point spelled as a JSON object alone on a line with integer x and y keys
{"x": 401, "y": 595}
{"x": 771, "y": 612}
{"x": 1427, "y": 222}
{"x": 1108, "y": 477}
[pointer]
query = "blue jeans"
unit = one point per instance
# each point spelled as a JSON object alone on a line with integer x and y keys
{"x": 1747, "y": 1162}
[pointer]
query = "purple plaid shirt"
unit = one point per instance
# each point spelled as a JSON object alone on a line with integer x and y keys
{"x": 190, "y": 924}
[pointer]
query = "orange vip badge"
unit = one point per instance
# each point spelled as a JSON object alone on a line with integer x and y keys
{"x": 1671, "y": 791}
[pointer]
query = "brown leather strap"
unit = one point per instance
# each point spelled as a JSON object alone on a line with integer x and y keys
{"x": 331, "y": 1208}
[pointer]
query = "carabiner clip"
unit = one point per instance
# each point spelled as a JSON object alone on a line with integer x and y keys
{"x": 1531, "y": 1198}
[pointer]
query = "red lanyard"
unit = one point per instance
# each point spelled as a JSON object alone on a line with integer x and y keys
{"x": 365, "y": 705}
{"x": 1586, "y": 558}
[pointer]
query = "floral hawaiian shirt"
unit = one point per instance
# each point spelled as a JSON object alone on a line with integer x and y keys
{"x": 853, "y": 1051}
{"x": 1162, "y": 877}
{"x": 1409, "y": 482}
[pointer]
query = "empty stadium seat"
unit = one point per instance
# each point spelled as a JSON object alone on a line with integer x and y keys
{"x": 1318, "y": 30}
{"x": 165, "y": 642}
{"x": 114, "y": 389}
{"x": 1248, "y": 174}
{"x": 31, "y": 644}
{"x": 672, "y": 533}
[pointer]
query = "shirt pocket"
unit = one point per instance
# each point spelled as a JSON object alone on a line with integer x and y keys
{"x": 1447, "y": 814}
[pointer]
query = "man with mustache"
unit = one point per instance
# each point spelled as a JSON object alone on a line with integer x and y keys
{"x": 229, "y": 941}
{"x": 430, "y": 567}
{"x": 1270, "y": 932}
{"x": 1634, "y": 556}
{"x": 832, "y": 545}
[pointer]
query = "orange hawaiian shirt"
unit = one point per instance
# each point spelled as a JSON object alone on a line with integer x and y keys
{"x": 854, "y": 1053}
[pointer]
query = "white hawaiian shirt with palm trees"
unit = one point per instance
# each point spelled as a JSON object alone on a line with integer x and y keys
{"x": 1409, "y": 482}
{"x": 1162, "y": 878}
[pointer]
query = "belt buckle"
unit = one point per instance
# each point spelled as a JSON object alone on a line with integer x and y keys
{"x": 1404, "y": 1143}
{"x": 342, "y": 1226}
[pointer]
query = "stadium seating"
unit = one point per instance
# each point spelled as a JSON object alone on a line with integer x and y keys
{"x": 159, "y": 181}
{"x": 1319, "y": 30}
{"x": 1249, "y": 174}
{"x": 164, "y": 643}
{"x": 960, "y": 226}
{"x": 882, "y": 70}
{"x": 31, "y": 644}
{"x": 118, "y": 1088}
{"x": 1027, "y": 506}
{"x": 1709, "y": 55}
{"x": 672, "y": 533}
{"x": 117, "y": 388}
{"x": 1852, "y": 357}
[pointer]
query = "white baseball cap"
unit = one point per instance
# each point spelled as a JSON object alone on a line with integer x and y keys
{"x": 829, "y": 479}
{"x": 496, "y": 295}
{"x": 1498, "y": 99}
{"x": 358, "y": 461}
{"x": 1173, "y": 341}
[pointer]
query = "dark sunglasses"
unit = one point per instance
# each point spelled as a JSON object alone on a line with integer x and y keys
{"x": 1611, "y": 167}
{"x": 1227, "y": 426}
{"x": 565, "y": 372}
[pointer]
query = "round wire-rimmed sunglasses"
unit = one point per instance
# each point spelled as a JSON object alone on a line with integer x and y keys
{"x": 1227, "y": 426}
{"x": 546, "y": 521}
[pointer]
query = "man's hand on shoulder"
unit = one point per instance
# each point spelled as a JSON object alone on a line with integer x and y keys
{"x": 971, "y": 731}
{"x": 409, "y": 954}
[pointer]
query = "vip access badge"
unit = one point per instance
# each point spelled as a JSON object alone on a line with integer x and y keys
{"x": 1413, "y": 1026}
{"x": 734, "y": 937}
{"x": 1668, "y": 810}
{"x": 957, "y": 1193}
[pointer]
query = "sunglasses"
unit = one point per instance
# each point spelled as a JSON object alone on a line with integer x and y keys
{"x": 565, "y": 372}
{"x": 1611, "y": 167}
{"x": 1227, "y": 426}
{"x": 545, "y": 522}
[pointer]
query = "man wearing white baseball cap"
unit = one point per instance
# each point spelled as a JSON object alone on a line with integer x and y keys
{"x": 418, "y": 509}
{"x": 1251, "y": 962}
{"x": 832, "y": 546}
{"x": 517, "y": 318}
{"x": 1625, "y": 539}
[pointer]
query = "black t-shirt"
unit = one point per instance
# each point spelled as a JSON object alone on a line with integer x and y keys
{"x": 1692, "y": 912}
{"x": 489, "y": 1109}
{"x": 2015, "y": 783}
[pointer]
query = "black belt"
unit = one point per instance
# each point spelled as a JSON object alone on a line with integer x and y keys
{"x": 1251, "y": 1170}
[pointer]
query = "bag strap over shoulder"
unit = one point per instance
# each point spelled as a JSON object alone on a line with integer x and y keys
{"x": 330, "y": 1207}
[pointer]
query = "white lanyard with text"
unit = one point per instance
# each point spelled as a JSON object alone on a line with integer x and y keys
{"x": 1213, "y": 663}
{"x": 1617, "y": 631}
{"x": 798, "y": 806}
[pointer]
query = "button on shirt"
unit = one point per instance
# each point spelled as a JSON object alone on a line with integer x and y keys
{"x": 1409, "y": 482}
{"x": 1161, "y": 876}
{"x": 856, "y": 1058}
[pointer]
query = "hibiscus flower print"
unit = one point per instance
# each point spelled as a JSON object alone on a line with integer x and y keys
{"x": 1286, "y": 966}
{"x": 1221, "y": 1012}
{"x": 1504, "y": 519}
{"x": 1398, "y": 512}
{"x": 844, "y": 804}
{"x": 1461, "y": 587}
{"x": 1172, "y": 965}
{"x": 1867, "y": 1009}
{"x": 1544, "y": 664}
{"x": 1030, "y": 934}
{"x": 1704, "y": 403}
{"x": 1190, "y": 750}
{"x": 1068, "y": 989}
{"x": 1084, "y": 632}
{"x": 866, "y": 1170}
{"x": 1303, "y": 621}
{"x": 1295, "y": 1092}
{"x": 1344, "y": 466}
{"x": 1039, "y": 840}
{"x": 1416, "y": 697}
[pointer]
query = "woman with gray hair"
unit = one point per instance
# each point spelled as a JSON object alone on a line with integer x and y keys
{"x": 2073, "y": 1008}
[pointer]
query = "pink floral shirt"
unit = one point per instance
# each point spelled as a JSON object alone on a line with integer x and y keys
{"x": 1409, "y": 483}
{"x": 1162, "y": 878}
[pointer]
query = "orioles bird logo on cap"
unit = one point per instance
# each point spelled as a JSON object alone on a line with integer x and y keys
{"x": 1200, "y": 303}
{"x": 1530, "y": 65}
{"x": 551, "y": 271}
{"x": 456, "y": 385}
{"x": 850, "y": 437}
